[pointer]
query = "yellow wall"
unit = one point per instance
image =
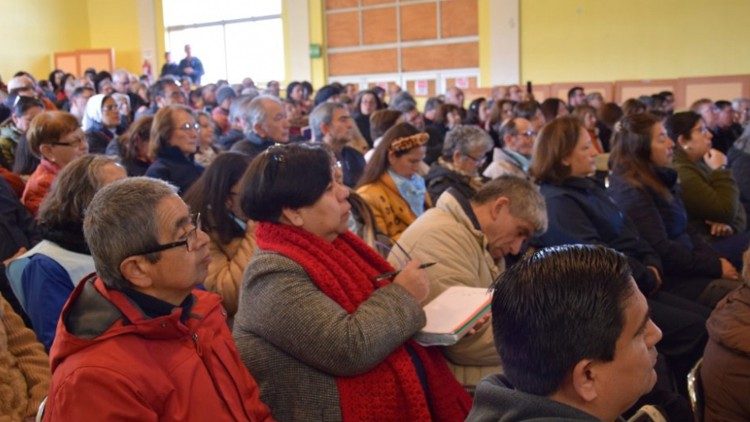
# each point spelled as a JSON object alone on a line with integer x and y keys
{"x": 605, "y": 40}
{"x": 32, "y": 30}
{"x": 114, "y": 24}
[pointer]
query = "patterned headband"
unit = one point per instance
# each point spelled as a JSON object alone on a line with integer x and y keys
{"x": 408, "y": 142}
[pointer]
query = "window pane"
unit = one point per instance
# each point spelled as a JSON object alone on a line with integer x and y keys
{"x": 255, "y": 49}
{"x": 186, "y": 12}
{"x": 207, "y": 44}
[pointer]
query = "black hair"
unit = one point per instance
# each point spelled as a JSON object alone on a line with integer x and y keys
{"x": 681, "y": 124}
{"x": 326, "y": 92}
{"x": 158, "y": 88}
{"x": 284, "y": 176}
{"x": 307, "y": 87}
{"x": 25, "y": 161}
{"x": 208, "y": 195}
{"x": 526, "y": 109}
{"x": 290, "y": 88}
{"x": 79, "y": 91}
{"x": 51, "y": 79}
{"x": 722, "y": 104}
{"x": 573, "y": 90}
{"x": 472, "y": 112}
{"x": 101, "y": 77}
{"x": 555, "y": 308}
{"x": 23, "y": 104}
{"x": 550, "y": 107}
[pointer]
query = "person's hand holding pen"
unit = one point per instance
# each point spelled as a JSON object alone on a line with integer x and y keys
{"x": 414, "y": 280}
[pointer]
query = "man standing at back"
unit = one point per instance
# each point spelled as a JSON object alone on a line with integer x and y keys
{"x": 575, "y": 338}
{"x": 135, "y": 340}
{"x": 191, "y": 66}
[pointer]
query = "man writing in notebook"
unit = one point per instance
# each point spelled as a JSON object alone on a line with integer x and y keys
{"x": 587, "y": 351}
{"x": 469, "y": 238}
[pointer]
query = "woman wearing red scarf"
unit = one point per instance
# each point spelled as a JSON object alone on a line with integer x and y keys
{"x": 324, "y": 339}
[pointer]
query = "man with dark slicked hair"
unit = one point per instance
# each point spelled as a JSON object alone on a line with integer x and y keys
{"x": 575, "y": 338}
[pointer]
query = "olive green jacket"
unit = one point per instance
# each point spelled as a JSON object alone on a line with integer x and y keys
{"x": 709, "y": 194}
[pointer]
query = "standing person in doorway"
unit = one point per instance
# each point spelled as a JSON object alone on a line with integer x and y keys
{"x": 191, "y": 66}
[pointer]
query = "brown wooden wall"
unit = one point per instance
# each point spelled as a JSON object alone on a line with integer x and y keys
{"x": 384, "y": 36}
{"x": 686, "y": 90}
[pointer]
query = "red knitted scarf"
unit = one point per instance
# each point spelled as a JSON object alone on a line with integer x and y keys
{"x": 344, "y": 270}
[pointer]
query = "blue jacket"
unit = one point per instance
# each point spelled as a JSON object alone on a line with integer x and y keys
{"x": 172, "y": 165}
{"x": 580, "y": 211}
{"x": 252, "y": 145}
{"x": 663, "y": 223}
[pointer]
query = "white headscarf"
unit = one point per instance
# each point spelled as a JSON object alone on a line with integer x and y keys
{"x": 93, "y": 113}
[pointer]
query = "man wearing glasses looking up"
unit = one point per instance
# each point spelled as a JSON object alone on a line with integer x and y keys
{"x": 514, "y": 156}
{"x": 468, "y": 238}
{"x": 136, "y": 334}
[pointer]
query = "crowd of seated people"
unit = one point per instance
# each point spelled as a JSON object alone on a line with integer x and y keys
{"x": 252, "y": 223}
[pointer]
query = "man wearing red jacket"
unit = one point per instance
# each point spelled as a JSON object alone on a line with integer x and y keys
{"x": 136, "y": 341}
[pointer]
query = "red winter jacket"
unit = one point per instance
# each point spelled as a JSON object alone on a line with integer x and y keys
{"x": 39, "y": 183}
{"x": 111, "y": 362}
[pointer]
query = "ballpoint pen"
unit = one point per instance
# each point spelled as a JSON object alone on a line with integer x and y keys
{"x": 395, "y": 273}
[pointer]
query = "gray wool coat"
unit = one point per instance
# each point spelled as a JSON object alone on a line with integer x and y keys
{"x": 295, "y": 340}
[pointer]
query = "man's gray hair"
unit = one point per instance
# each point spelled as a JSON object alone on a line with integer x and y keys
{"x": 464, "y": 139}
{"x": 526, "y": 202}
{"x": 239, "y": 108}
{"x": 256, "y": 110}
{"x": 121, "y": 221}
{"x": 121, "y": 73}
{"x": 738, "y": 102}
{"x": 322, "y": 114}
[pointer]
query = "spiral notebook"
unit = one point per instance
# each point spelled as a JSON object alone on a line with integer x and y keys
{"x": 452, "y": 314}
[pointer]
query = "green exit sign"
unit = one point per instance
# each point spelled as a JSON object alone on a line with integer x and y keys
{"x": 314, "y": 51}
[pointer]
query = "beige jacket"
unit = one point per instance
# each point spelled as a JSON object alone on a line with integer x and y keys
{"x": 446, "y": 235}
{"x": 24, "y": 367}
{"x": 227, "y": 265}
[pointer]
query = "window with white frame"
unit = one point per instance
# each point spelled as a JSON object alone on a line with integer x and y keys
{"x": 234, "y": 39}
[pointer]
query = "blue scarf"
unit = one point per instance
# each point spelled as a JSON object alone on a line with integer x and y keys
{"x": 412, "y": 190}
{"x": 523, "y": 161}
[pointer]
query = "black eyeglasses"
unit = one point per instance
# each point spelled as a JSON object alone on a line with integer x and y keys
{"x": 190, "y": 240}
{"x": 77, "y": 140}
{"x": 479, "y": 160}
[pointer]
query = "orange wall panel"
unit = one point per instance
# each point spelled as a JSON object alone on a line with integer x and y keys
{"x": 449, "y": 56}
{"x": 338, "y": 4}
{"x": 458, "y": 18}
{"x": 431, "y": 89}
{"x": 379, "y": 25}
{"x": 371, "y": 2}
{"x": 418, "y": 21}
{"x": 342, "y": 29}
{"x": 449, "y": 82}
{"x": 374, "y": 61}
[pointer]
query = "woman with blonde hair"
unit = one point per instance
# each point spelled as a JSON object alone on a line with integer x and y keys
{"x": 391, "y": 184}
